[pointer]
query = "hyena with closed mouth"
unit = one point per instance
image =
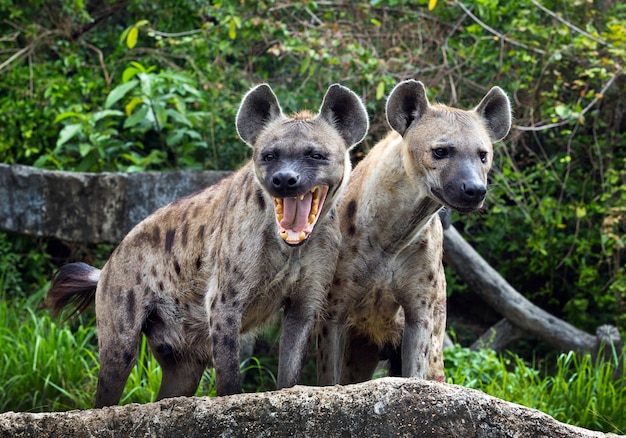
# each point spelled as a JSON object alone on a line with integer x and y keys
{"x": 205, "y": 269}
{"x": 389, "y": 289}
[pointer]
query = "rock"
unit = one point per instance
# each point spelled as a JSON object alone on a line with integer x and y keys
{"x": 380, "y": 408}
{"x": 88, "y": 207}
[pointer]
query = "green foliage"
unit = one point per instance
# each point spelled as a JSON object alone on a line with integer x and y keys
{"x": 156, "y": 126}
{"x": 579, "y": 391}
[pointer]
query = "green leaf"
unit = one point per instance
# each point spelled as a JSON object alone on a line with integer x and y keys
{"x": 119, "y": 92}
{"x": 131, "y": 39}
{"x": 99, "y": 115}
{"x": 138, "y": 117}
{"x": 380, "y": 90}
{"x": 232, "y": 30}
{"x": 68, "y": 132}
{"x": 305, "y": 65}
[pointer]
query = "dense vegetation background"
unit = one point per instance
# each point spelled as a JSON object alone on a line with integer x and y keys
{"x": 131, "y": 85}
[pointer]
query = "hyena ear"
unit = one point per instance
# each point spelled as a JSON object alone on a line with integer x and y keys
{"x": 495, "y": 109}
{"x": 258, "y": 108}
{"x": 343, "y": 109}
{"x": 406, "y": 103}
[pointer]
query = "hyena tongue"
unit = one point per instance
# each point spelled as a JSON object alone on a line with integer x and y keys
{"x": 296, "y": 212}
{"x": 297, "y": 216}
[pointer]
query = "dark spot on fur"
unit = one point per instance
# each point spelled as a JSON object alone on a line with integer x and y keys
{"x": 235, "y": 304}
{"x": 169, "y": 239}
{"x": 423, "y": 303}
{"x": 213, "y": 303}
{"x": 130, "y": 308}
{"x": 352, "y": 230}
{"x": 201, "y": 232}
{"x": 230, "y": 343}
{"x": 161, "y": 287}
{"x": 184, "y": 234}
{"x": 198, "y": 263}
{"x": 230, "y": 321}
{"x": 138, "y": 278}
{"x": 177, "y": 267}
{"x": 218, "y": 327}
{"x": 223, "y": 298}
{"x": 351, "y": 210}
{"x": 156, "y": 235}
{"x": 153, "y": 271}
{"x": 227, "y": 264}
{"x": 431, "y": 275}
{"x": 260, "y": 199}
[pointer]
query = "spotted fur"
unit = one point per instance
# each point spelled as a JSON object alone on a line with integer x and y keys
{"x": 200, "y": 272}
{"x": 388, "y": 296}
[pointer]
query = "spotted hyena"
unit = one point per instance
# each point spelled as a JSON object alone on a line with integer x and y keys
{"x": 205, "y": 269}
{"x": 389, "y": 289}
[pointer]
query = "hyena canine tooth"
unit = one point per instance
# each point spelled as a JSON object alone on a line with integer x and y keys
{"x": 388, "y": 296}
{"x": 205, "y": 269}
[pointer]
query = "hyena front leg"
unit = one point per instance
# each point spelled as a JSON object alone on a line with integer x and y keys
{"x": 424, "y": 305}
{"x": 298, "y": 324}
{"x": 225, "y": 325}
{"x": 330, "y": 351}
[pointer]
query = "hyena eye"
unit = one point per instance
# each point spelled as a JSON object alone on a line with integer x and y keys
{"x": 269, "y": 157}
{"x": 317, "y": 156}
{"x": 440, "y": 153}
{"x": 483, "y": 156}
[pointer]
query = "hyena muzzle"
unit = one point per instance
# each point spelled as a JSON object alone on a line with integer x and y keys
{"x": 200, "y": 272}
{"x": 388, "y": 296}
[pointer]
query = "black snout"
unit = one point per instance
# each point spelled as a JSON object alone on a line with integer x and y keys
{"x": 473, "y": 192}
{"x": 285, "y": 181}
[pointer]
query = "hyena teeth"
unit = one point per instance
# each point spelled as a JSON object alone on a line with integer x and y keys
{"x": 302, "y": 235}
{"x": 312, "y": 217}
{"x": 284, "y": 235}
{"x": 301, "y": 197}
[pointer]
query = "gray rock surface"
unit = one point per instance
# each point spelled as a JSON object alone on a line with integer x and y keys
{"x": 388, "y": 407}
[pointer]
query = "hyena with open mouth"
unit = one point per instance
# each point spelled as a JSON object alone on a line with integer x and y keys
{"x": 205, "y": 269}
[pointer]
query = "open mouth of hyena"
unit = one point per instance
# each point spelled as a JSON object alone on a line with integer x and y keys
{"x": 296, "y": 216}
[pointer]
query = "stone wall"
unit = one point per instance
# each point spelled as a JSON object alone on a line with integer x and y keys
{"x": 88, "y": 207}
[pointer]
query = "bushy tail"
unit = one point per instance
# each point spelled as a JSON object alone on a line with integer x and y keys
{"x": 75, "y": 285}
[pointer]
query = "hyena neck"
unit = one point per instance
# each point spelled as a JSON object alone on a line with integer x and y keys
{"x": 395, "y": 201}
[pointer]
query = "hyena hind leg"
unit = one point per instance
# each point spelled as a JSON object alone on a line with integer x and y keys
{"x": 361, "y": 359}
{"x": 180, "y": 377}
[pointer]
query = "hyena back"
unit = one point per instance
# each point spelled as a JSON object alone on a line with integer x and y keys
{"x": 201, "y": 271}
{"x": 389, "y": 289}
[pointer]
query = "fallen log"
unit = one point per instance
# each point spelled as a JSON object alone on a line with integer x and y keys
{"x": 488, "y": 284}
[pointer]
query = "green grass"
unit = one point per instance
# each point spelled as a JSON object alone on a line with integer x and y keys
{"x": 578, "y": 391}
{"x": 50, "y": 366}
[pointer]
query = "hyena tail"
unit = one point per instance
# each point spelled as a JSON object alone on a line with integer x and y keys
{"x": 74, "y": 285}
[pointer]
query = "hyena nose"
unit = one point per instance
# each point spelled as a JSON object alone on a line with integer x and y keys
{"x": 474, "y": 192}
{"x": 286, "y": 180}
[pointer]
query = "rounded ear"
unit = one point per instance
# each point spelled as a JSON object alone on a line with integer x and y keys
{"x": 343, "y": 109}
{"x": 258, "y": 108}
{"x": 406, "y": 103}
{"x": 495, "y": 109}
